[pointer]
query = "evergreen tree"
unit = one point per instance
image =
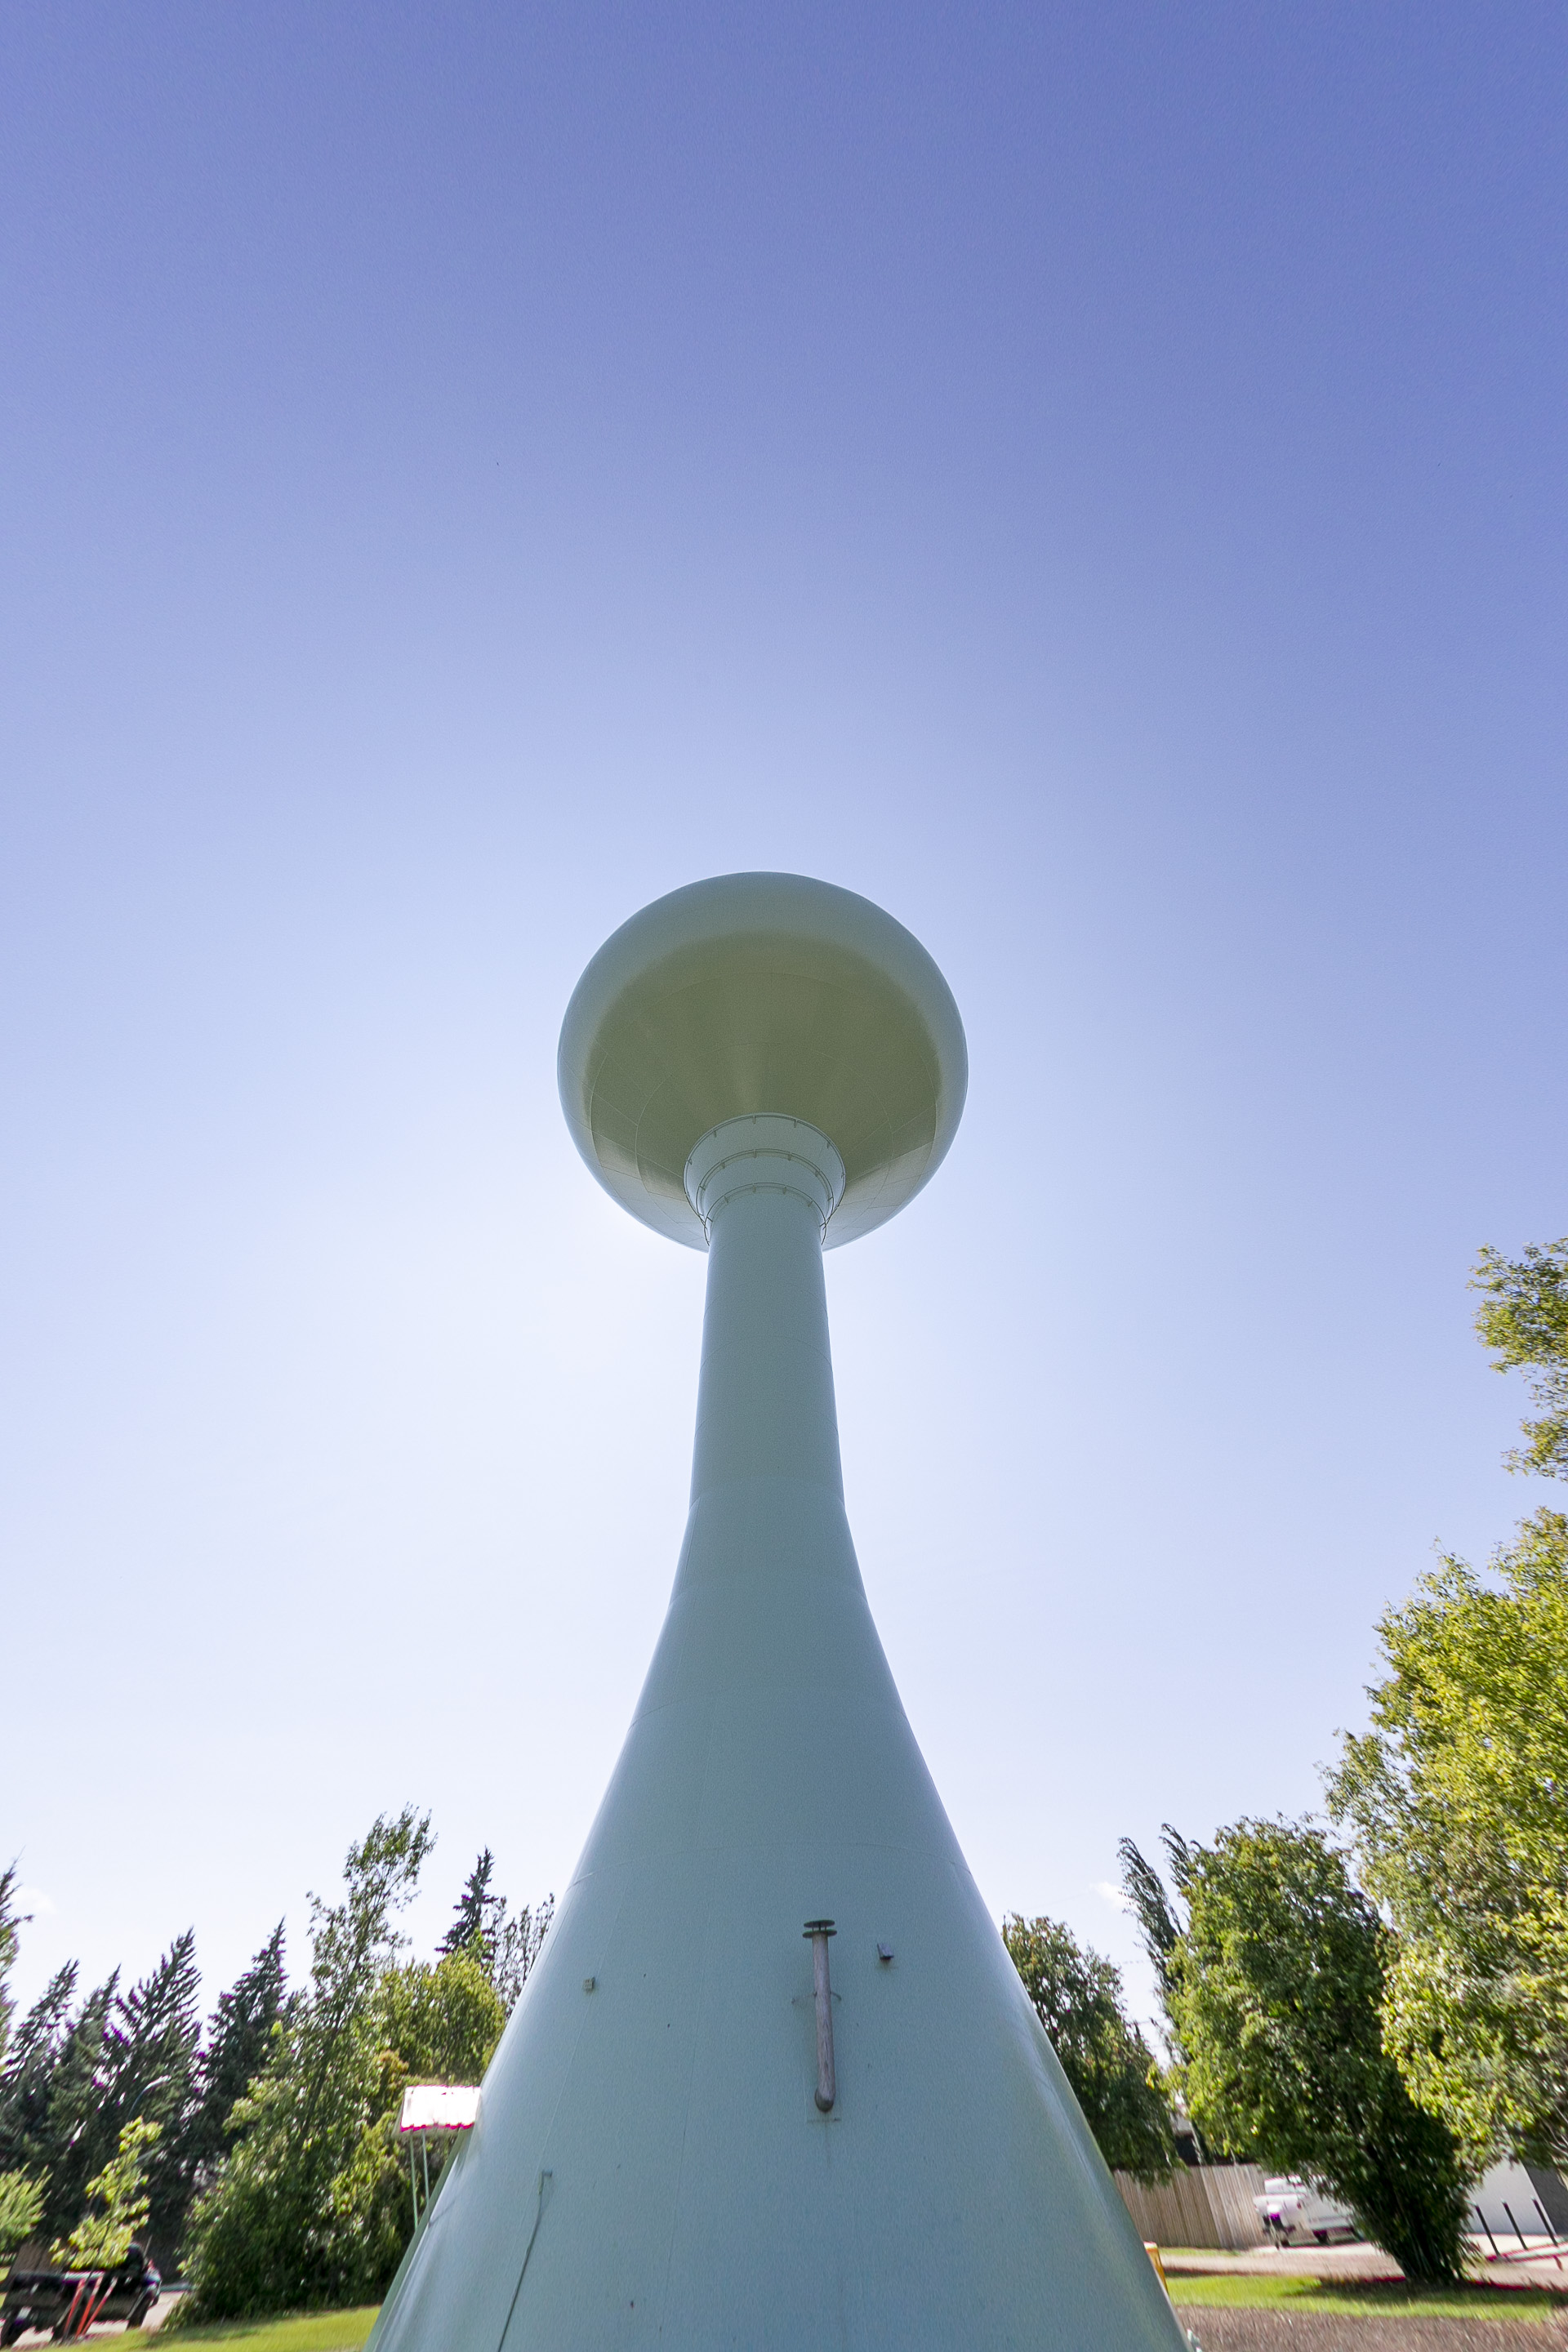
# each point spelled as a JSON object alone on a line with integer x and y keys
{"x": 238, "y": 2044}
{"x": 79, "y": 2127}
{"x": 474, "y": 1921}
{"x": 30, "y": 2061}
{"x": 21, "y": 2192}
{"x": 10, "y": 1921}
{"x": 71, "y": 2083}
{"x": 506, "y": 1946}
{"x": 150, "y": 2062}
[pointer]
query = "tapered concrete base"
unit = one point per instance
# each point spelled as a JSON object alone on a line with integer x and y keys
{"x": 649, "y": 2166}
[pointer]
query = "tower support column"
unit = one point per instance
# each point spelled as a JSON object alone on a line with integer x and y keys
{"x": 765, "y": 1189}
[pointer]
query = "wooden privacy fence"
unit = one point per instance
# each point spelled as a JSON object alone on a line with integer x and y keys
{"x": 1200, "y": 2205}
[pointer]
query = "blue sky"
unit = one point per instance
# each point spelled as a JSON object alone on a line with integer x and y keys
{"x": 1091, "y": 479}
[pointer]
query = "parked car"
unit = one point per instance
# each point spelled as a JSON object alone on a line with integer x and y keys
{"x": 68, "y": 2303}
{"x": 1294, "y": 2213}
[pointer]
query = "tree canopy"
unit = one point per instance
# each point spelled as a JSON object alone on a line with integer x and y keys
{"x": 1458, "y": 1802}
{"x": 1077, "y": 1996}
{"x": 117, "y": 2204}
{"x": 1274, "y": 1985}
{"x": 474, "y": 1917}
{"x": 505, "y": 1943}
{"x": 238, "y": 2041}
{"x": 1523, "y": 1320}
{"x": 74, "y": 2076}
{"x": 312, "y": 2205}
{"x": 10, "y": 1924}
{"x": 21, "y": 2192}
{"x": 280, "y": 2126}
{"x": 1456, "y": 1798}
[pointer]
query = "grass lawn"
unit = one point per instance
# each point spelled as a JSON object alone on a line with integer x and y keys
{"x": 1240, "y": 2292}
{"x": 319, "y": 2331}
{"x": 345, "y": 2331}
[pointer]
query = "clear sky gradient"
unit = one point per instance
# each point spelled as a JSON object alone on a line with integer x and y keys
{"x": 1091, "y": 479}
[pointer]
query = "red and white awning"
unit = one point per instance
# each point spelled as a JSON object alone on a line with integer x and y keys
{"x": 439, "y": 2108}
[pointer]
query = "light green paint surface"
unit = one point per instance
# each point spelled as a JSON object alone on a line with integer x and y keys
{"x": 648, "y": 2166}
{"x": 762, "y": 992}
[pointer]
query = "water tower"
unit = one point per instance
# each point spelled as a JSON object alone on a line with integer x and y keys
{"x": 773, "y": 2081}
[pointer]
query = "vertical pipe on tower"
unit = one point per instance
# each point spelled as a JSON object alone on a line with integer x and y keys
{"x": 819, "y": 1931}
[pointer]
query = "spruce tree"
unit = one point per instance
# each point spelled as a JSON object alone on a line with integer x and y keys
{"x": 31, "y": 2058}
{"x": 79, "y": 2126}
{"x": 10, "y": 1921}
{"x": 475, "y": 1920}
{"x": 150, "y": 2062}
{"x": 238, "y": 2041}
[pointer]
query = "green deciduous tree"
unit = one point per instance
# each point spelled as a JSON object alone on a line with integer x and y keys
{"x": 437, "y": 2023}
{"x": 21, "y": 2202}
{"x": 312, "y": 2205}
{"x": 117, "y": 2203}
{"x": 1077, "y": 1996}
{"x": 283, "y": 2127}
{"x": 1523, "y": 1320}
{"x": 519, "y": 1937}
{"x": 1276, "y": 1988}
{"x": 1458, "y": 1802}
{"x": 268, "y": 2236}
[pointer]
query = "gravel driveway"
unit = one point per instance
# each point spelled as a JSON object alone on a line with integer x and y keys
{"x": 1219, "y": 2330}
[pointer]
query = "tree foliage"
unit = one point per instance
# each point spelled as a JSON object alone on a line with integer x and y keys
{"x": 1458, "y": 1802}
{"x": 506, "y": 1944}
{"x": 311, "y": 2206}
{"x": 10, "y": 1924}
{"x": 281, "y": 2124}
{"x": 238, "y": 2041}
{"x": 1077, "y": 1996}
{"x": 1275, "y": 1986}
{"x": 1157, "y": 1923}
{"x": 150, "y": 2050}
{"x": 1523, "y": 1320}
{"x": 117, "y": 2204}
{"x": 21, "y": 2192}
{"x": 474, "y": 1918}
{"x": 74, "y": 2076}
{"x": 55, "y": 2120}
{"x": 21, "y": 2202}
